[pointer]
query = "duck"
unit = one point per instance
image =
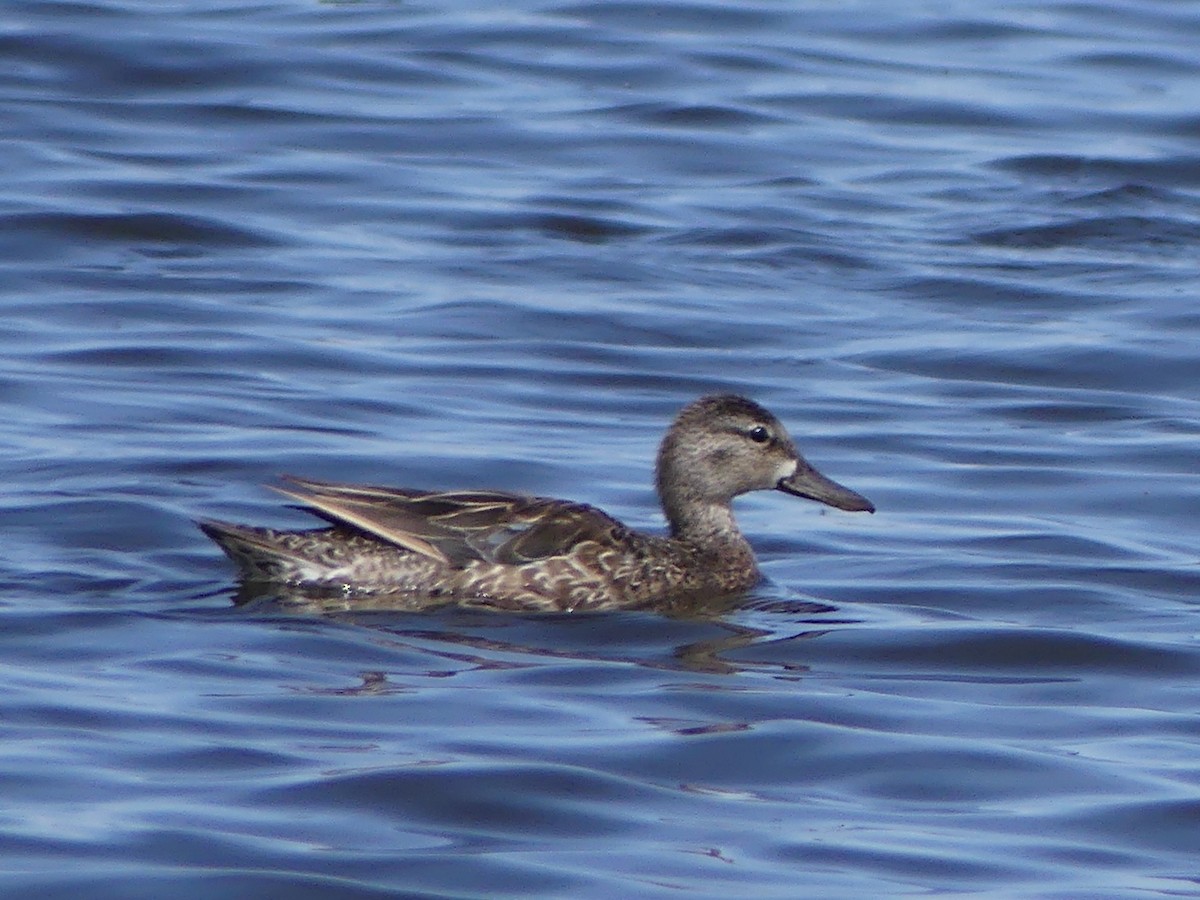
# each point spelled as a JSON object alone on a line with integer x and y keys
{"x": 515, "y": 552}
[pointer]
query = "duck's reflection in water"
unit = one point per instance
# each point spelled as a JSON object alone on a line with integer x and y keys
{"x": 481, "y": 638}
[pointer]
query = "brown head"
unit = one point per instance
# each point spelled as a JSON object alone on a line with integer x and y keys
{"x": 725, "y": 445}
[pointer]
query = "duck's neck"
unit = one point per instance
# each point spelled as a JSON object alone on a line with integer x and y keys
{"x": 704, "y": 524}
{"x": 709, "y": 537}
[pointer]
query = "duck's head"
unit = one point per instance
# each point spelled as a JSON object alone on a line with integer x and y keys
{"x": 723, "y": 446}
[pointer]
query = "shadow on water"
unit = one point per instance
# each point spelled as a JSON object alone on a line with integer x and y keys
{"x": 648, "y": 637}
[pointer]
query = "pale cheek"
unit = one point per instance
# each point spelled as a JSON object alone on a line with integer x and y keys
{"x": 786, "y": 470}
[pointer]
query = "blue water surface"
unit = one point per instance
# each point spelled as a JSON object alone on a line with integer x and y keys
{"x": 954, "y": 247}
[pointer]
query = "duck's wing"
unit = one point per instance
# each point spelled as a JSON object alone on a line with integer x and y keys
{"x": 457, "y": 527}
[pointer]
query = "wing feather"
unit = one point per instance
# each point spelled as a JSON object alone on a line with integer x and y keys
{"x": 458, "y": 527}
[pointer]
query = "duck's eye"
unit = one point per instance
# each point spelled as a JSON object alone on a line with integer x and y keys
{"x": 759, "y": 434}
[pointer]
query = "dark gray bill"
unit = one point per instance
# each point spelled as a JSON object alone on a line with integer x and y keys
{"x": 808, "y": 482}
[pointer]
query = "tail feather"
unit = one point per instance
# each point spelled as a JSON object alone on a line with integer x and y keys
{"x": 262, "y": 554}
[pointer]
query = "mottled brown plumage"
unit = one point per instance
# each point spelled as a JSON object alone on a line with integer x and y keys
{"x": 515, "y": 552}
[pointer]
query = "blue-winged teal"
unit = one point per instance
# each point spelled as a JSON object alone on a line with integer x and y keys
{"x": 516, "y": 552}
